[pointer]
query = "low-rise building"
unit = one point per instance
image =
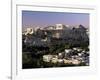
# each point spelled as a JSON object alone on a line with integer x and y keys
{"x": 76, "y": 62}
{"x": 67, "y": 61}
{"x": 60, "y": 61}
{"x": 54, "y": 60}
{"x": 47, "y": 58}
{"x": 60, "y": 55}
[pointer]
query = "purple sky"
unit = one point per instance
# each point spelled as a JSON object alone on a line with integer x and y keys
{"x": 43, "y": 19}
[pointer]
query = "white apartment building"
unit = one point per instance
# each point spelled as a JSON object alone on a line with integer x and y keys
{"x": 29, "y": 31}
{"x": 59, "y": 27}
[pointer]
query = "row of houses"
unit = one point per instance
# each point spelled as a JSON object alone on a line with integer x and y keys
{"x": 56, "y": 27}
{"x": 66, "y": 57}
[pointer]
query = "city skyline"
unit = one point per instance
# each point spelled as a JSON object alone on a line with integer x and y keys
{"x": 44, "y": 19}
